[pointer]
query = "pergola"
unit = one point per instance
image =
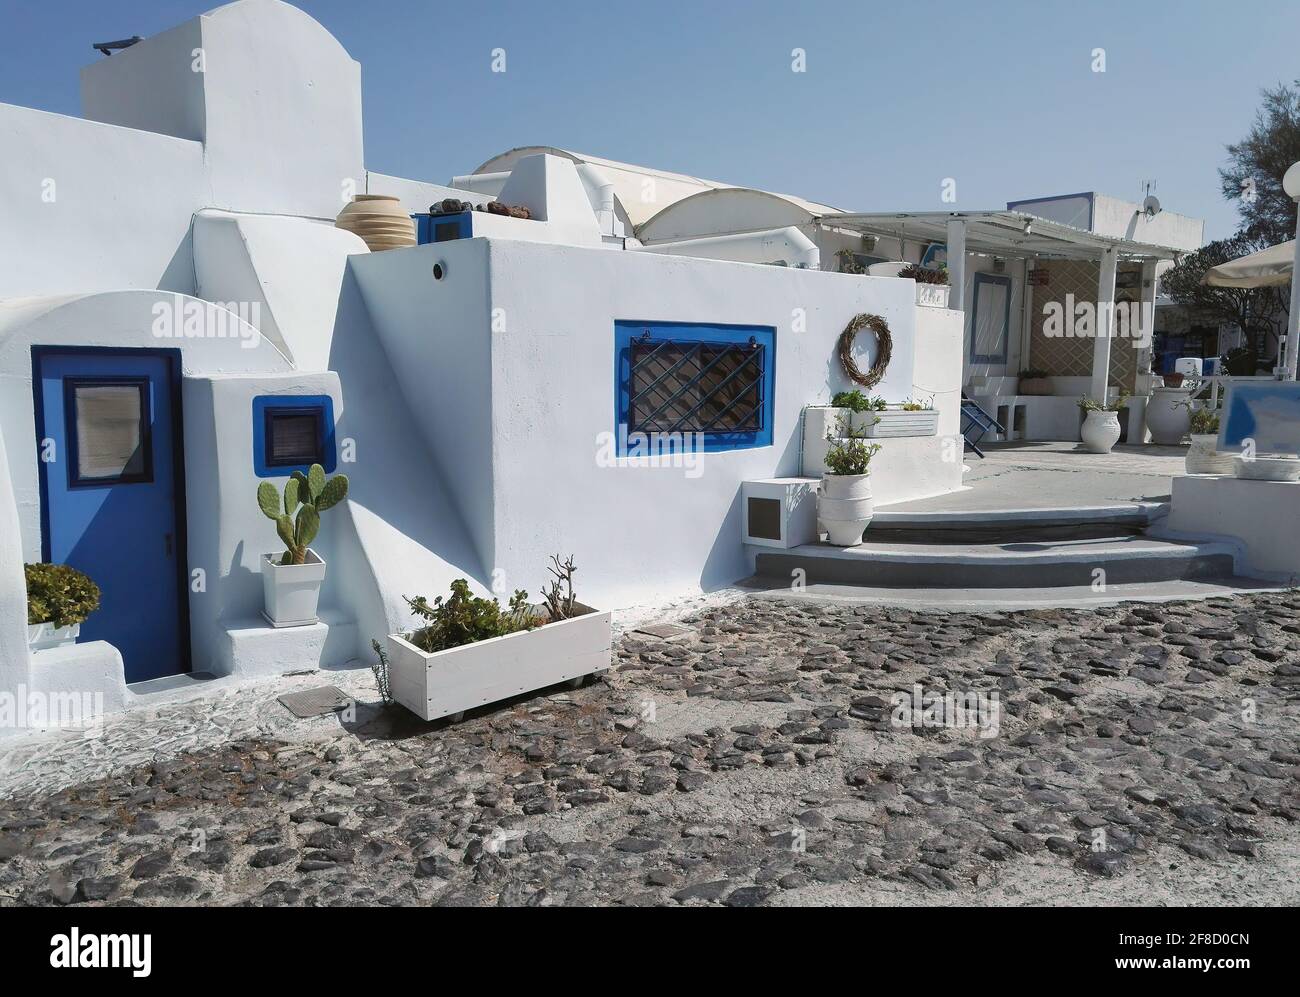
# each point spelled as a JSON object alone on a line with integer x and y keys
{"x": 1016, "y": 235}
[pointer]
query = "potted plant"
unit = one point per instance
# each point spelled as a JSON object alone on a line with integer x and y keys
{"x": 931, "y": 285}
{"x": 1032, "y": 381}
{"x": 291, "y": 580}
{"x": 59, "y": 598}
{"x": 1100, "y": 430}
{"x": 467, "y": 651}
{"x": 844, "y": 504}
{"x": 1203, "y": 456}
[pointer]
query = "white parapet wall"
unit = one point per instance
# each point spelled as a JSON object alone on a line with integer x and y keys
{"x": 1262, "y": 515}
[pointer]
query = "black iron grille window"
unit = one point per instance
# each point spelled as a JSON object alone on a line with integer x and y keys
{"x": 686, "y": 387}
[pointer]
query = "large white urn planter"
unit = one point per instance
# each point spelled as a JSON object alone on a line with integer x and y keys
{"x": 1100, "y": 431}
{"x": 1203, "y": 456}
{"x": 291, "y": 591}
{"x": 845, "y": 507}
{"x": 41, "y": 636}
{"x": 447, "y": 683}
{"x": 1169, "y": 416}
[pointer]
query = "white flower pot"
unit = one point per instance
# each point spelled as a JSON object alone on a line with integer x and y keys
{"x": 932, "y": 295}
{"x": 845, "y": 507}
{"x": 45, "y": 635}
{"x": 291, "y": 591}
{"x": 1169, "y": 417}
{"x": 1203, "y": 456}
{"x": 446, "y": 683}
{"x": 1267, "y": 468}
{"x": 1100, "y": 431}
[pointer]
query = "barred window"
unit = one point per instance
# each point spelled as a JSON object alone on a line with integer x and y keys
{"x": 696, "y": 387}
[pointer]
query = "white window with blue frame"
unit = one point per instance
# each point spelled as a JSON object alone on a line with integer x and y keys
{"x": 714, "y": 382}
{"x": 990, "y": 318}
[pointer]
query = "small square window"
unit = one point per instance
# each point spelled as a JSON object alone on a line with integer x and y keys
{"x": 293, "y": 436}
{"x": 291, "y": 433}
{"x": 446, "y": 231}
{"x": 110, "y": 431}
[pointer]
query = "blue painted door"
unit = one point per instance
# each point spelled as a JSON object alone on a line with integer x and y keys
{"x": 108, "y": 431}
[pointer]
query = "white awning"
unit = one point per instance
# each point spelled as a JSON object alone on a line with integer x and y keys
{"x": 997, "y": 233}
{"x": 1268, "y": 268}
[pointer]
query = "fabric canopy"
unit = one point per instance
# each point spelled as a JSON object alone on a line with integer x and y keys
{"x": 1267, "y": 268}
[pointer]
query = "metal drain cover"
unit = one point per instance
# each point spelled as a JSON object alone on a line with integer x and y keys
{"x": 314, "y": 702}
{"x": 663, "y": 630}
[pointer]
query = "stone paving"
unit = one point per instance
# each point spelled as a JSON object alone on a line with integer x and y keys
{"x": 1135, "y": 754}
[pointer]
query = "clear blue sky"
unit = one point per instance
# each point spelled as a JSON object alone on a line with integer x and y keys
{"x": 896, "y": 97}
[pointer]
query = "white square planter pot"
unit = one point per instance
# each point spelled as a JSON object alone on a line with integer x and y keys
{"x": 447, "y": 683}
{"x": 932, "y": 295}
{"x": 45, "y": 635}
{"x": 893, "y": 422}
{"x": 291, "y": 591}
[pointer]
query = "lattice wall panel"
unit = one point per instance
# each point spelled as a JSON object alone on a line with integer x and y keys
{"x": 1072, "y": 357}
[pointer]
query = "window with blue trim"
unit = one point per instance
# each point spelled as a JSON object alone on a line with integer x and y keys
{"x": 715, "y": 382}
{"x": 291, "y": 433}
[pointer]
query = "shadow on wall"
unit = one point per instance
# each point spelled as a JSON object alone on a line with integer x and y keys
{"x": 410, "y": 537}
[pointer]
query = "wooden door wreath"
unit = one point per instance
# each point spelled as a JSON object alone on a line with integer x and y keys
{"x": 884, "y": 349}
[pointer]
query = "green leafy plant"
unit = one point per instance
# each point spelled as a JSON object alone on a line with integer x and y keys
{"x": 463, "y": 618}
{"x": 1032, "y": 374}
{"x": 925, "y": 275}
{"x": 309, "y": 495}
{"x": 1092, "y": 405}
{"x": 913, "y": 405}
{"x": 853, "y": 400}
{"x": 59, "y": 594}
{"x": 1205, "y": 421}
{"x": 848, "y": 453}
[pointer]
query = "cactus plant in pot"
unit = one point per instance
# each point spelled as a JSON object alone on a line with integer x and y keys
{"x": 844, "y": 505}
{"x": 291, "y": 580}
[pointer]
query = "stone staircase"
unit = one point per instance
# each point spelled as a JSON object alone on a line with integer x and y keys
{"x": 1037, "y": 556}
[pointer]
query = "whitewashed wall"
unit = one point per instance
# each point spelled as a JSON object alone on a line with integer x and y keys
{"x": 15, "y": 662}
{"x": 79, "y": 213}
{"x": 511, "y": 377}
{"x": 275, "y": 99}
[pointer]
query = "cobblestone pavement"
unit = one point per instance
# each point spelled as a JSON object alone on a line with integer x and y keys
{"x": 1140, "y": 754}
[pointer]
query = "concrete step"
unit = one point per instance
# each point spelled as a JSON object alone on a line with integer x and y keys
{"x": 1124, "y": 514}
{"x": 1011, "y": 565}
{"x": 1009, "y": 599}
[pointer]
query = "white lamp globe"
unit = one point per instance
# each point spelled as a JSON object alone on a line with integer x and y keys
{"x": 1291, "y": 182}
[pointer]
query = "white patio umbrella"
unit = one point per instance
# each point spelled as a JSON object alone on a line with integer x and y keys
{"x": 1270, "y": 267}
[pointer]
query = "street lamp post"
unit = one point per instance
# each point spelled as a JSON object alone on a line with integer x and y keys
{"x": 1291, "y": 184}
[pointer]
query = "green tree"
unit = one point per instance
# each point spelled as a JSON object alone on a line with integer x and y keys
{"x": 1257, "y": 311}
{"x": 1254, "y": 177}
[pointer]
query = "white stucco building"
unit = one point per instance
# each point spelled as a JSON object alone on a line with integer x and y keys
{"x": 180, "y": 320}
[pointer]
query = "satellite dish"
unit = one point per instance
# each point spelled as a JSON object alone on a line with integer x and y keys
{"x": 1151, "y": 206}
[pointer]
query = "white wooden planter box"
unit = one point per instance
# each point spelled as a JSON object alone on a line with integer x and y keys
{"x": 895, "y": 422}
{"x": 450, "y": 682}
{"x": 932, "y": 295}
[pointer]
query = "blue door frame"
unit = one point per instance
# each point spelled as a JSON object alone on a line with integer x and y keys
{"x": 126, "y": 529}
